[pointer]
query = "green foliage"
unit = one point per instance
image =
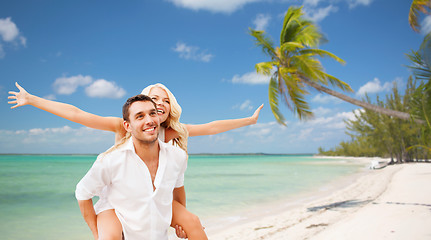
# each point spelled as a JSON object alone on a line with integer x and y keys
{"x": 416, "y": 7}
{"x": 374, "y": 134}
{"x": 420, "y": 98}
{"x": 379, "y": 135}
{"x": 293, "y": 63}
{"x": 273, "y": 100}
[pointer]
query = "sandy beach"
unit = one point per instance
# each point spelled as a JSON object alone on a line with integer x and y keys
{"x": 389, "y": 203}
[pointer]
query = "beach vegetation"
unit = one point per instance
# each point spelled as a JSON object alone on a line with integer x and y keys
{"x": 421, "y": 97}
{"x": 294, "y": 68}
{"x": 372, "y": 134}
{"x": 401, "y": 140}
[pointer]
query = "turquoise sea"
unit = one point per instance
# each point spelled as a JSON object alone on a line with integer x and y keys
{"x": 37, "y": 191}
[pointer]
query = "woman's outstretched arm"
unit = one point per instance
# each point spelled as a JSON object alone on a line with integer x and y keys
{"x": 220, "y": 126}
{"x": 67, "y": 111}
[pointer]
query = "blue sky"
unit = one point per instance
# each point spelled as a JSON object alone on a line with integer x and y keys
{"x": 96, "y": 54}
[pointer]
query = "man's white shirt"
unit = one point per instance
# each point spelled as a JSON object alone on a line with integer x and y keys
{"x": 143, "y": 213}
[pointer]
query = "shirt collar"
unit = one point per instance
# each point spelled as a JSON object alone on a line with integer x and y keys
{"x": 128, "y": 146}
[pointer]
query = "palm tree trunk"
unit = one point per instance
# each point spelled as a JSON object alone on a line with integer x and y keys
{"x": 372, "y": 107}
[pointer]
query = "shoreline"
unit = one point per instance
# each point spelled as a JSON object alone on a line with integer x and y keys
{"x": 255, "y": 212}
{"x": 322, "y": 215}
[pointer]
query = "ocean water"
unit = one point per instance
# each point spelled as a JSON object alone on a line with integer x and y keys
{"x": 37, "y": 191}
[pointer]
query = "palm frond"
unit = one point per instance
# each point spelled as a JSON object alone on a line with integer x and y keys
{"x": 322, "y": 53}
{"x": 425, "y": 50}
{"x": 273, "y": 95}
{"x": 421, "y": 104}
{"x": 265, "y": 67}
{"x": 309, "y": 67}
{"x": 421, "y": 69}
{"x": 416, "y": 7}
{"x": 337, "y": 82}
{"x": 290, "y": 47}
{"x": 308, "y": 34}
{"x": 419, "y": 147}
{"x": 264, "y": 42}
{"x": 290, "y": 24}
{"x": 294, "y": 92}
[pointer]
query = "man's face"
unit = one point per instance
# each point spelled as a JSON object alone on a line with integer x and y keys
{"x": 144, "y": 122}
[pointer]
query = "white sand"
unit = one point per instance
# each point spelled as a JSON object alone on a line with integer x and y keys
{"x": 390, "y": 203}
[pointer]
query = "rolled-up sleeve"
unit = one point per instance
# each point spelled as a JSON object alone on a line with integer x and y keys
{"x": 94, "y": 181}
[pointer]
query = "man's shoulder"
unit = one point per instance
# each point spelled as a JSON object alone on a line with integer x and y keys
{"x": 113, "y": 152}
{"x": 173, "y": 150}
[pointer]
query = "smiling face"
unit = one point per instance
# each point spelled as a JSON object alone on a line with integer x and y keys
{"x": 161, "y": 98}
{"x": 143, "y": 122}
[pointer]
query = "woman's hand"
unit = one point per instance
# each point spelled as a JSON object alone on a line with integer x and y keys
{"x": 180, "y": 232}
{"x": 256, "y": 114}
{"x": 21, "y": 97}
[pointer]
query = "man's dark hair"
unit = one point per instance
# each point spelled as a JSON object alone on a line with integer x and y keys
{"x": 137, "y": 98}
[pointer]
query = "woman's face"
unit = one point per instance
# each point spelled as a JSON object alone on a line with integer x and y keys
{"x": 160, "y": 97}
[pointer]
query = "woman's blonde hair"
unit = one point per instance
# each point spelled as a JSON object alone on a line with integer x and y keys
{"x": 173, "y": 120}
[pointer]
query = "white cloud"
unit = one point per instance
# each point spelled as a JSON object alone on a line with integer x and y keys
{"x": 317, "y": 10}
{"x": 320, "y": 111}
{"x": 104, "y": 89}
{"x": 325, "y": 98}
{"x": 68, "y": 85}
{"x": 55, "y": 140}
{"x": 251, "y": 78}
{"x": 223, "y": 137}
{"x": 246, "y": 105}
{"x": 298, "y": 137}
{"x": 426, "y": 25}
{"x": 50, "y": 97}
{"x": 265, "y": 132}
{"x": 42, "y": 131}
{"x": 192, "y": 52}
{"x": 9, "y": 33}
{"x": 334, "y": 121}
{"x": 311, "y": 2}
{"x": 318, "y": 14}
{"x": 2, "y": 54}
{"x": 8, "y": 30}
{"x": 355, "y": 3}
{"x": 261, "y": 22}
{"x": 305, "y": 134}
{"x": 100, "y": 88}
{"x": 23, "y": 40}
{"x": 219, "y": 6}
{"x": 373, "y": 87}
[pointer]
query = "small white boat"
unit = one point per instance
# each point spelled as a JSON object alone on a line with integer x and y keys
{"x": 378, "y": 164}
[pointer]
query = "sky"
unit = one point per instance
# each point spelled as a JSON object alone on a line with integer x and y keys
{"x": 96, "y": 54}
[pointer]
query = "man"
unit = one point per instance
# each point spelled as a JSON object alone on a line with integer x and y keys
{"x": 139, "y": 175}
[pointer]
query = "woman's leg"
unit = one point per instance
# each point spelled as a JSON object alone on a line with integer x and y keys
{"x": 108, "y": 225}
{"x": 188, "y": 221}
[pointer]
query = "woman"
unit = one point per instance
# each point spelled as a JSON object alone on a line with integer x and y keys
{"x": 186, "y": 223}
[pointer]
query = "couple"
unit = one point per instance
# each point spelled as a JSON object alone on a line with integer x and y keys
{"x": 107, "y": 222}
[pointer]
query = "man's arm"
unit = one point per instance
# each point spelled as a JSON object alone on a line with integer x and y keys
{"x": 91, "y": 185}
{"x": 87, "y": 211}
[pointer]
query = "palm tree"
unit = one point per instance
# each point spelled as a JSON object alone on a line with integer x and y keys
{"x": 294, "y": 67}
{"x": 416, "y": 7}
{"x": 421, "y": 101}
{"x": 421, "y": 97}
